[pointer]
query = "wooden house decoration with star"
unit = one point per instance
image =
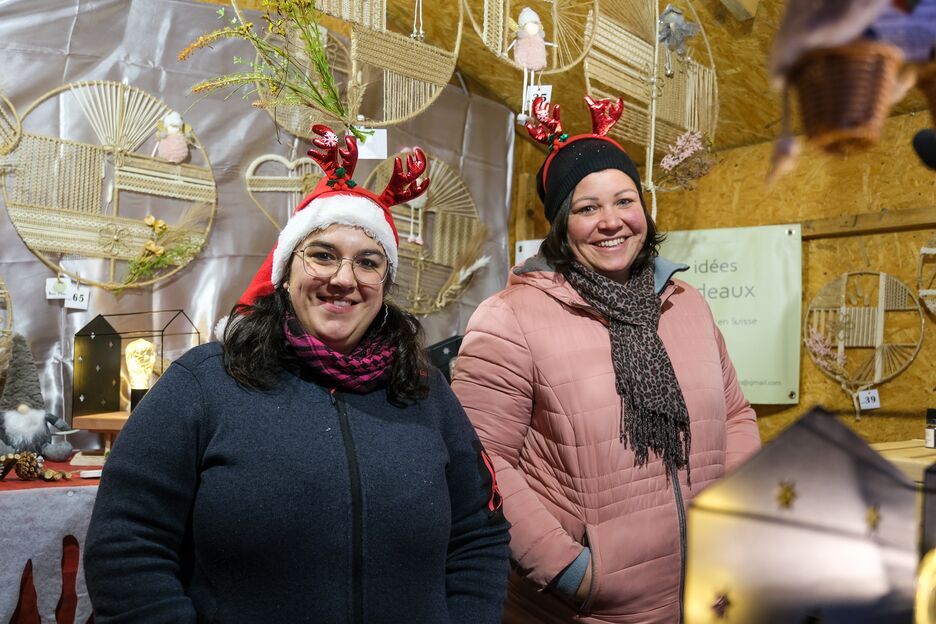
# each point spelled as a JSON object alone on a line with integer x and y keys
{"x": 816, "y": 525}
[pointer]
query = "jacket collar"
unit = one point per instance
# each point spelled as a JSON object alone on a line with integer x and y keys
{"x": 540, "y": 274}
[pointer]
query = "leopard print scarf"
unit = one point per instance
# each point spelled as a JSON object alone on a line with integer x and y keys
{"x": 653, "y": 411}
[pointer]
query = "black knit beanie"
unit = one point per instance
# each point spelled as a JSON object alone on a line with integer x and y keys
{"x": 574, "y": 161}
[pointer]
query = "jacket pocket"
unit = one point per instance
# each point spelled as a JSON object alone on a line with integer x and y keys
{"x": 592, "y": 543}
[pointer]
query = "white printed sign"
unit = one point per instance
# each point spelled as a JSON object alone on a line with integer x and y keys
{"x": 752, "y": 280}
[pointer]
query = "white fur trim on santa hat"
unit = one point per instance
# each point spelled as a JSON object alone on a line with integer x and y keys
{"x": 220, "y": 326}
{"x": 354, "y": 210}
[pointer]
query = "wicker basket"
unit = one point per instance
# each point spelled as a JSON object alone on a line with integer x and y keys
{"x": 846, "y": 92}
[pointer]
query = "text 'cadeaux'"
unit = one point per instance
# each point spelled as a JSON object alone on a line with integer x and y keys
{"x": 727, "y": 292}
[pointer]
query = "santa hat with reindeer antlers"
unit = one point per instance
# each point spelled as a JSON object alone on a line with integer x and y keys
{"x": 571, "y": 158}
{"x": 338, "y": 199}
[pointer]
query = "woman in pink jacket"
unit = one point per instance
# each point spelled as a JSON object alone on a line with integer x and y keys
{"x": 603, "y": 391}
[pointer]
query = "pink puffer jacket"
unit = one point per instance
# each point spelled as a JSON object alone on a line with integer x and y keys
{"x": 535, "y": 375}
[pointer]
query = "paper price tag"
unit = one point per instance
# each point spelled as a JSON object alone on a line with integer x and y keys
{"x": 77, "y": 296}
{"x": 374, "y": 146}
{"x": 55, "y": 287}
{"x": 869, "y": 399}
{"x": 535, "y": 91}
{"x": 525, "y": 249}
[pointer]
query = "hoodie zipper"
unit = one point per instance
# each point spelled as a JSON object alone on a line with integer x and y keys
{"x": 357, "y": 515}
{"x": 681, "y": 512}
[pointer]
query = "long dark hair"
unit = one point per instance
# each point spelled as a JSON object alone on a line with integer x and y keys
{"x": 557, "y": 252}
{"x": 256, "y": 352}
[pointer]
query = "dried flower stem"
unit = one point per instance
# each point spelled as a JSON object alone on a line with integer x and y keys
{"x": 281, "y": 69}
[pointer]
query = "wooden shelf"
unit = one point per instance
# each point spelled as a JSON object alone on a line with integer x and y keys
{"x": 105, "y": 421}
{"x": 108, "y": 424}
{"x": 911, "y": 456}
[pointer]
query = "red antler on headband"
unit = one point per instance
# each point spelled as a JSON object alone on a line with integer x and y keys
{"x": 403, "y": 186}
{"x": 548, "y": 128}
{"x": 604, "y": 114}
{"x": 338, "y": 164}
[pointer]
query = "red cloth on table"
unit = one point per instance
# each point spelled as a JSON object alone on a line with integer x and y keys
{"x": 12, "y": 482}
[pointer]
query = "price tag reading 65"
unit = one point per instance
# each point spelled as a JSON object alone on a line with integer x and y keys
{"x": 77, "y": 296}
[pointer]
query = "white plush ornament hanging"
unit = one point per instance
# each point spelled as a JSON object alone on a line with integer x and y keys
{"x": 529, "y": 50}
{"x": 416, "y": 219}
{"x": 172, "y": 141}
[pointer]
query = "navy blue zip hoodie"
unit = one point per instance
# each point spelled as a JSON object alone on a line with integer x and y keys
{"x": 223, "y": 504}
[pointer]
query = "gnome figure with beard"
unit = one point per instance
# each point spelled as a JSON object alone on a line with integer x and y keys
{"x": 24, "y": 422}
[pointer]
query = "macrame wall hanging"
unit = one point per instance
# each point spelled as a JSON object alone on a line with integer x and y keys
{"x": 393, "y": 76}
{"x": 6, "y": 328}
{"x": 10, "y": 128}
{"x": 663, "y": 98}
{"x": 441, "y": 238}
{"x": 564, "y": 24}
{"x": 863, "y": 329}
{"x": 270, "y": 175}
{"x": 926, "y": 275}
{"x": 86, "y": 193}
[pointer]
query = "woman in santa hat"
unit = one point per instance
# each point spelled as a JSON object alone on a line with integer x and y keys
{"x": 313, "y": 467}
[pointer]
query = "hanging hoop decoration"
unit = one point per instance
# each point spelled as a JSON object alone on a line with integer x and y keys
{"x": 926, "y": 275}
{"x": 391, "y": 78}
{"x": 6, "y": 328}
{"x": 272, "y": 173}
{"x": 298, "y": 119}
{"x": 565, "y": 22}
{"x": 394, "y": 76}
{"x": 96, "y": 192}
{"x": 662, "y": 100}
{"x": 441, "y": 238}
{"x": 863, "y": 329}
{"x": 10, "y": 128}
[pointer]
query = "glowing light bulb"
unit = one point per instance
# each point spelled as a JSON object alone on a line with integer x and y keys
{"x": 141, "y": 357}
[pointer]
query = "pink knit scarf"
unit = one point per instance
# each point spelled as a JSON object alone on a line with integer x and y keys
{"x": 362, "y": 370}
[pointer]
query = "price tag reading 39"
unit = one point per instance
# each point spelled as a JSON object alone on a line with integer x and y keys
{"x": 869, "y": 399}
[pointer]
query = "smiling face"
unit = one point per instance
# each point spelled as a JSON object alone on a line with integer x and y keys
{"x": 607, "y": 225}
{"x": 336, "y": 309}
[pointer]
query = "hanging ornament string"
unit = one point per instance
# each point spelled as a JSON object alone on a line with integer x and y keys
{"x": 420, "y": 34}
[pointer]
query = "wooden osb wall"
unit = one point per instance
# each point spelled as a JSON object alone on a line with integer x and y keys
{"x": 888, "y": 177}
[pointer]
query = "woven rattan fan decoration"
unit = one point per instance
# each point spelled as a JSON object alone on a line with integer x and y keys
{"x": 6, "y": 328}
{"x": 863, "y": 329}
{"x": 440, "y": 239}
{"x": 625, "y": 60}
{"x": 393, "y": 76}
{"x": 87, "y": 193}
{"x": 926, "y": 276}
{"x": 273, "y": 175}
{"x": 10, "y": 128}
{"x": 565, "y": 23}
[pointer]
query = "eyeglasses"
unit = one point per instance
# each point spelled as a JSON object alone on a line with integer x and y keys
{"x": 321, "y": 263}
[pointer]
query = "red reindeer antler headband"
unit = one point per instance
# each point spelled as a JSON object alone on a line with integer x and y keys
{"x": 548, "y": 129}
{"x": 337, "y": 199}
